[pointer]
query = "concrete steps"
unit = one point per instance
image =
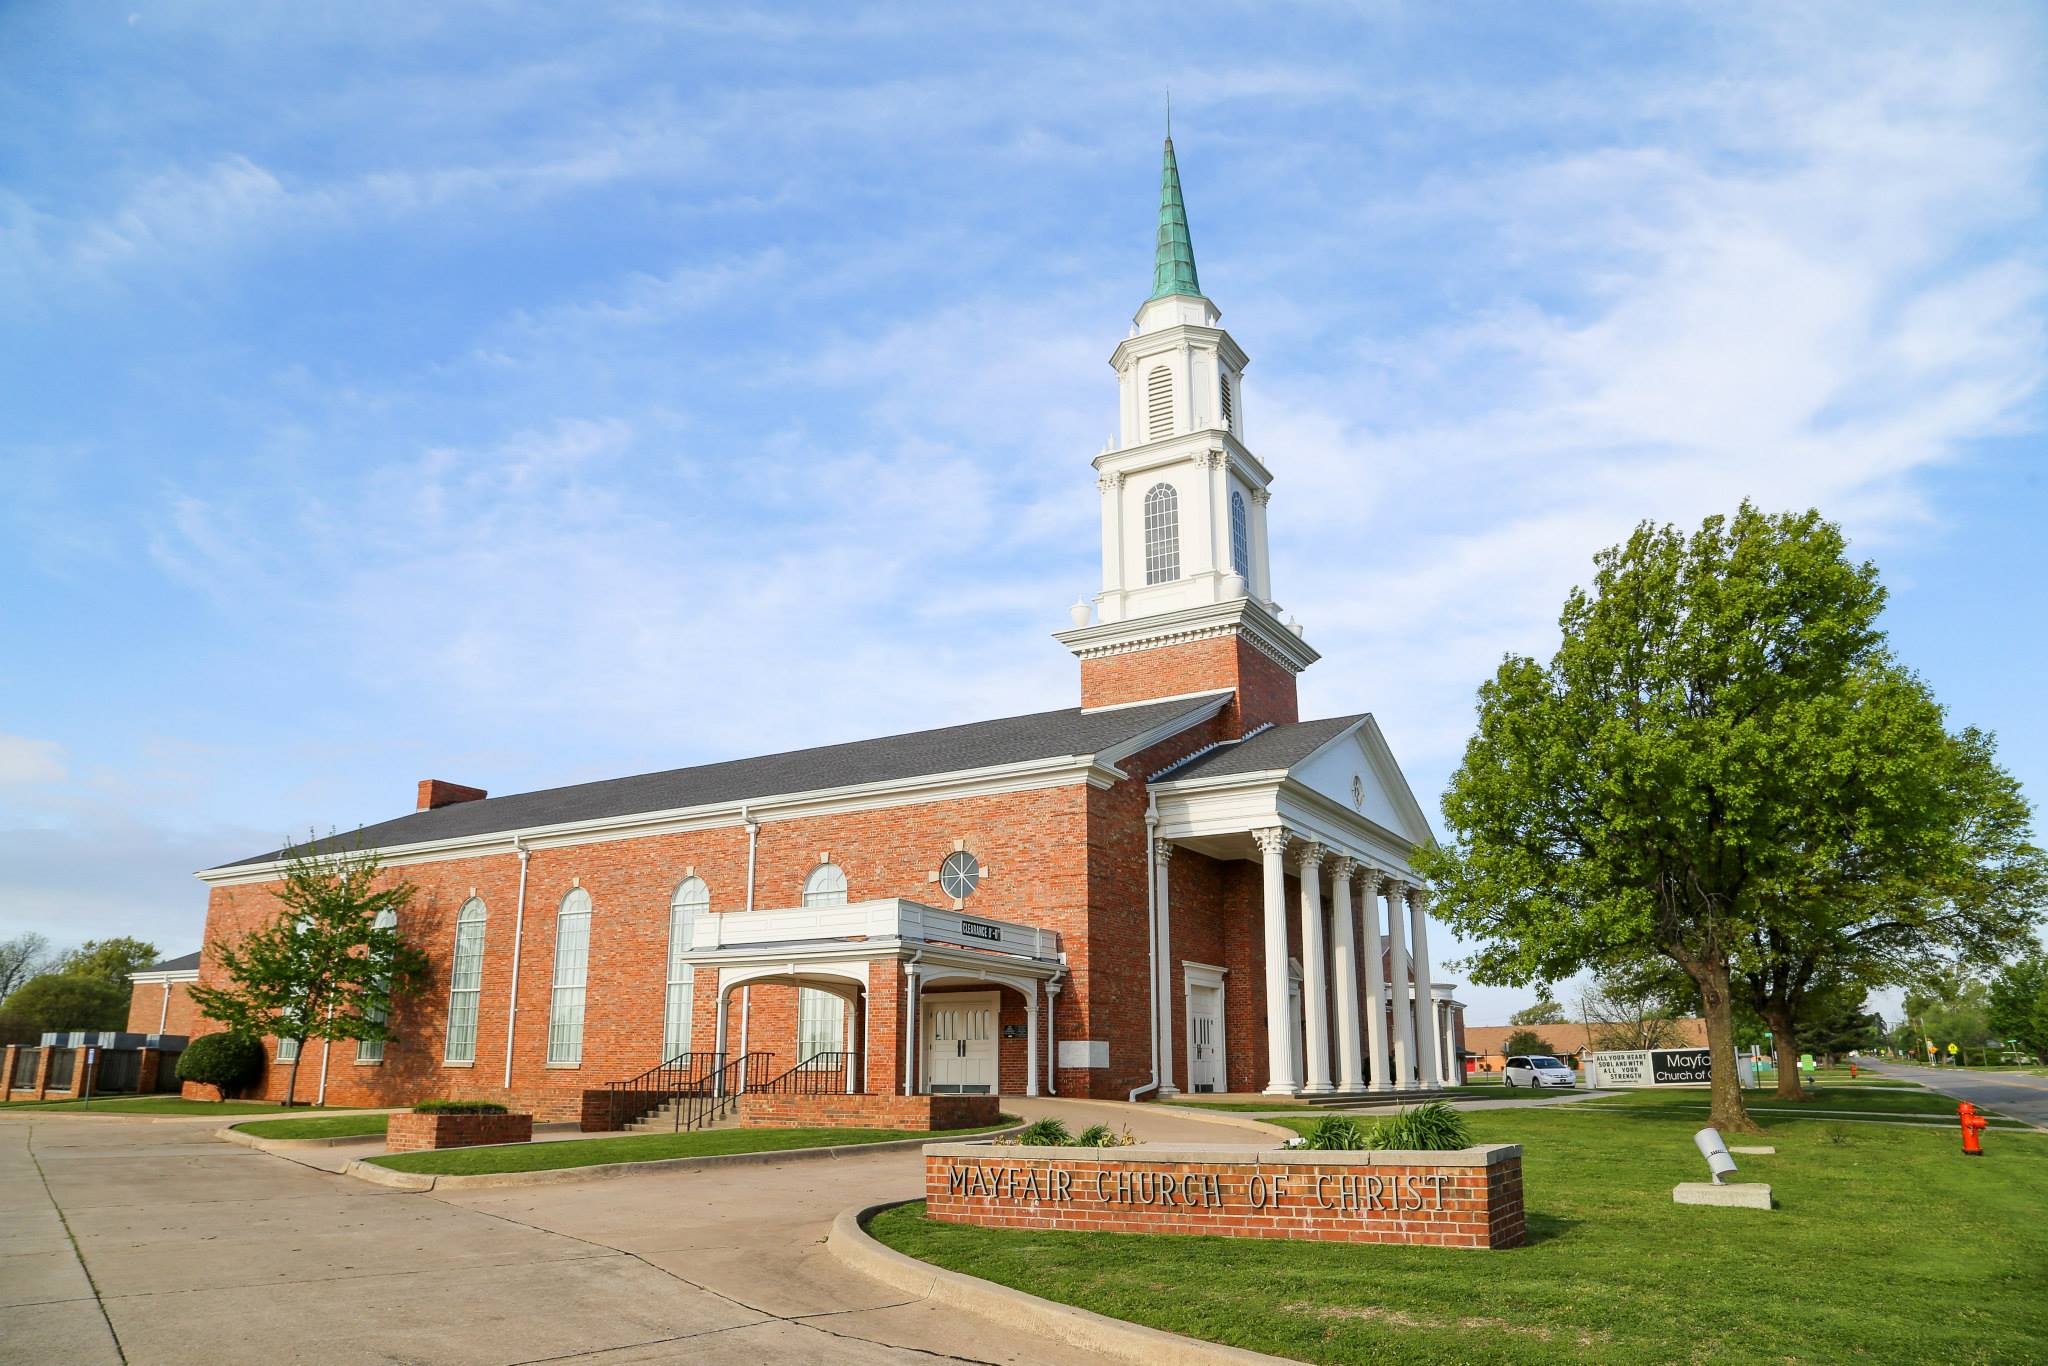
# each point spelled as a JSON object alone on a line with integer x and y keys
{"x": 1354, "y": 1099}
{"x": 662, "y": 1120}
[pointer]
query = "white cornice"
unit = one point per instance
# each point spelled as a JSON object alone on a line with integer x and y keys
{"x": 153, "y": 978}
{"x": 1171, "y": 338}
{"x": 1246, "y": 618}
{"x": 1098, "y": 770}
{"x": 1169, "y": 450}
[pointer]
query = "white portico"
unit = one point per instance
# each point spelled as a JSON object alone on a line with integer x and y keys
{"x": 1325, "y": 802}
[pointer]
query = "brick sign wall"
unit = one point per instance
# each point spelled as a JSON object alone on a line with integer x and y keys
{"x": 1470, "y": 1198}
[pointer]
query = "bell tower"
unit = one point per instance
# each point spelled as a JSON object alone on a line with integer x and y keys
{"x": 1187, "y": 598}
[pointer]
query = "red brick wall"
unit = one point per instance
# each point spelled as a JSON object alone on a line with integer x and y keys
{"x": 1266, "y": 689}
{"x": 913, "y": 1114}
{"x": 1438, "y": 1200}
{"x": 411, "y": 1133}
{"x": 146, "y": 1008}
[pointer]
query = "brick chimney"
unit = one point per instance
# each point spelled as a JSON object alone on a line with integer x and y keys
{"x": 434, "y": 794}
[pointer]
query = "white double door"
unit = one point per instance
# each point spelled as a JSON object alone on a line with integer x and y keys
{"x": 960, "y": 1043}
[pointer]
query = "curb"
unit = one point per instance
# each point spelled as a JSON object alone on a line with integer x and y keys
{"x": 856, "y": 1249}
{"x": 282, "y": 1145}
{"x": 604, "y": 1171}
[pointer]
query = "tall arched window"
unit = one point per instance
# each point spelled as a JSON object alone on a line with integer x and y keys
{"x": 1158, "y": 404}
{"x": 692, "y": 899}
{"x": 826, "y": 886}
{"x": 572, "y": 971}
{"x": 1240, "y": 537}
{"x": 820, "y": 1024}
{"x": 372, "y": 1050}
{"x": 1162, "y": 534}
{"x": 465, "y": 982}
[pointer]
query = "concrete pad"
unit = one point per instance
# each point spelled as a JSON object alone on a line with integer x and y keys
{"x": 1743, "y": 1195}
{"x": 72, "y": 1333}
{"x": 42, "y": 1278}
{"x": 1764, "y": 1150}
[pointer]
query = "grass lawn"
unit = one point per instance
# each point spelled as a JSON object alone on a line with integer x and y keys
{"x": 1827, "y": 1102}
{"x": 163, "y": 1105}
{"x": 318, "y": 1126}
{"x": 1888, "y": 1246}
{"x": 593, "y": 1152}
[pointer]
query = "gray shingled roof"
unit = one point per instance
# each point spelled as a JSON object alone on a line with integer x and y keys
{"x": 184, "y": 962}
{"x": 1282, "y": 747}
{"x": 1011, "y": 740}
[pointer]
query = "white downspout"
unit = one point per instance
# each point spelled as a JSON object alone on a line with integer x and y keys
{"x": 518, "y": 938}
{"x": 753, "y": 841}
{"x": 163, "y": 1015}
{"x": 1052, "y": 1000}
{"x": 1151, "y": 942}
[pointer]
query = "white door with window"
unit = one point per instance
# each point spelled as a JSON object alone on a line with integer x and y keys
{"x": 960, "y": 1044}
{"x": 1205, "y": 1038}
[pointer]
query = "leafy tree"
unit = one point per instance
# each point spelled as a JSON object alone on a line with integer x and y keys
{"x": 324, "y": 969}
{"x": 2019, "y": 1004}
{"x": 21, "y": 958}
{"x": 223, "y": 1061}
{"x": 109, "y": 959}
{"x": 63, "y": 1001}
{"x": 1696, "y": 766}
{"x": 1527, "y": 1041}
{"x": 1833, "y": 1023}
{"x": 1636, "y": 1003}
{"x": 1949, "y": 1007}
{"x": 1545, "y": 1011}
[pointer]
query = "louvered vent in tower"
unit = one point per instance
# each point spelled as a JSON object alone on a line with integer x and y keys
{"x": 1159, "y": 404}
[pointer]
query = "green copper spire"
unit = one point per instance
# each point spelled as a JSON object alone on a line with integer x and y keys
{"x": 1173, "y": 264}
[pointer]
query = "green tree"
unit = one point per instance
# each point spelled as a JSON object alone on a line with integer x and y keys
{"x": 1834, "y": 1023}
{"x": 1636, "y": 1003}
{"x": 1690, "y": 764}
{"x": 328, "y": 967}
{"x": 2019, "y": 1004}
{"x": 22, "y": 957}
{"x": 110, "y": 960}
{"x": 1949, "y": 1007}
{"x": 1545, "y": 1011}
{"x": 1526, "y": 1041}
{"x": 62, "y": 1001}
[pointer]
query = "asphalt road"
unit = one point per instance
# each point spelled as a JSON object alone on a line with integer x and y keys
{"x": 2011, "y": 1093}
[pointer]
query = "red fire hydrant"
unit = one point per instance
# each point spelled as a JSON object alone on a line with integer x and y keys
{"x": 1973, "y": 1124}
{"x": 1852, "y": 1071}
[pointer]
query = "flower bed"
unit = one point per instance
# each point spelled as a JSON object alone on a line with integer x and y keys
{"x": 455, "y": 1124}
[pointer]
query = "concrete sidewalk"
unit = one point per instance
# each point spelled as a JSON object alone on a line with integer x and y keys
{"x": 204, "y": 1253}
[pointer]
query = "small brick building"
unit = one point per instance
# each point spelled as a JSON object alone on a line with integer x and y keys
{"x": 1174, "y": 886}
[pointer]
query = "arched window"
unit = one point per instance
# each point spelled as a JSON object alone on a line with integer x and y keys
{"x": 572, "y": 971}
{"x": 826, "y": 886}
{"x": 1226, "y": 400}
{"x": 465, "y": 982}
{"x": 1158, "y": 403}
{"x": 1162, "y": 534}
{"x": 372, "y": 1050}
{"x": 1240, "y": 537}
{"x": 692, "y": 899}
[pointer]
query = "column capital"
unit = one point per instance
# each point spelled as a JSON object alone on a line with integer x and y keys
{"x": 1395, "y": 888}
{"x": 1342, "y": 867}
{"x": 1162, "y": 850}
{"x": 1311, "y": 856}
{"x": 1109, "y": 483}
{"x": 1272, "y": 840}
{"x": 1418, "y": 896}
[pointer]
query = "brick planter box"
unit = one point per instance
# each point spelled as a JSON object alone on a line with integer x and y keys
{"x": 1468, "y": 1198}
{"x": 836, "y": 1110}
{"x": 411, "y": 1133}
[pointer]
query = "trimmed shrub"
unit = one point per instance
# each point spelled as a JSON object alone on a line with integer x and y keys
{"x": 226, "y": 1062}
{"x": 1046, "y": 1133}
{"x": 460, "y": 1107}
{"x": 1431, "y": 1127}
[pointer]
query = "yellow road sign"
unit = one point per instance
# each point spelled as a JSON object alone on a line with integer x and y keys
{"x": 1951, "y": 1050}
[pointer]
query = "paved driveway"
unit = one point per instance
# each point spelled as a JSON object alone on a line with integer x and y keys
{"x": 2013, "y": 1093}
{"x": 191, "y": 1250}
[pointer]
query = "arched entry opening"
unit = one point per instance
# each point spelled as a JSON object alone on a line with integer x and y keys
{"x": 978, "y": 1034}
{"x": 809, "y": 1020}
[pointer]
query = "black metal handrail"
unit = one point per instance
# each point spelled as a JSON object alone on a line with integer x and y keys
{"x": 685, "y": 1078}
{"x": 818, "y": 1075}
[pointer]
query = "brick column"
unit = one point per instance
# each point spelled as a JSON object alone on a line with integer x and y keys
{"x": 1279, "y": 1028}
{"x": 146, "y": 1069}
{"x": 1375, "y": 984}
{"x": 43, "y": 1071}
{"x": 7, "y": 1077}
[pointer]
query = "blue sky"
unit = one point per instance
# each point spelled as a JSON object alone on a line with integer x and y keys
{"x": 522, "y": 394}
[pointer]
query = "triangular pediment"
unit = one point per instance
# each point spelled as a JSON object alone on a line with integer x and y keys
{"x": 1356, "y": 770}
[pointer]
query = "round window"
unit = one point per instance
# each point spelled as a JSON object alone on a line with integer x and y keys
{"x": 959, "y": 874}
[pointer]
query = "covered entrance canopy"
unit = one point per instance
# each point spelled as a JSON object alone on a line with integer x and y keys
{"x": 881, "y": 957}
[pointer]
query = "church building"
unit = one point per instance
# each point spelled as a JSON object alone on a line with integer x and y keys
{"x": 1177, "y": 885}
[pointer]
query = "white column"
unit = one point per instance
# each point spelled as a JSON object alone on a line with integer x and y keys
{"x": 910, "y": 1029}
{"x": 1427, "y": 1035}
{"x": 1344, "y": 957}
{"x": 1031, "y": 1042}
{"x": 1375, "y": 984}
{"x": 1280, "y": 1079}
{"x": 1315, "y": 998}
{"x": 1397, "y": 985}
{"x": 1447, "y": 1041}
{"x": 1163, "y": 851}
